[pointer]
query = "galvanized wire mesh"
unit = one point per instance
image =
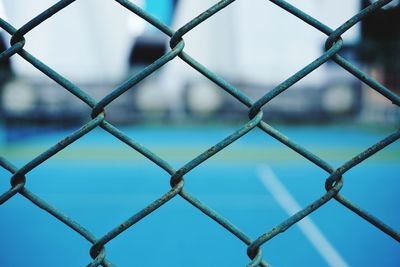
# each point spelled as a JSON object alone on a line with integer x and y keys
{"x": 333, "y": 183}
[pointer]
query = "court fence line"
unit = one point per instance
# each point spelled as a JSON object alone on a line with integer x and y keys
{"x": 333, "y": 183}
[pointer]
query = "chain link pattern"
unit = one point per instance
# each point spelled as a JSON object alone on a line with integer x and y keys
{"x": 333, "y": 182}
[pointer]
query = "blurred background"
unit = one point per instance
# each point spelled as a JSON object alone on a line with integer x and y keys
{"x": 178, "y": 114}
{"x": 254, "y": 47}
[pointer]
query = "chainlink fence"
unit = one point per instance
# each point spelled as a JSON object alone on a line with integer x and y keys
{"x": 333, "y": 183}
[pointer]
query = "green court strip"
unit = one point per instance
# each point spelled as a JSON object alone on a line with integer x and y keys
{"x": 253, "y": 154}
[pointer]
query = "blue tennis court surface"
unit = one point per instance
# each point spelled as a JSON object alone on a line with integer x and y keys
{"x": 255, "y": 183}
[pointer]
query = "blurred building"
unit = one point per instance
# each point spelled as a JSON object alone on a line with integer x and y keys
{"x": 255, "y": 47}
{"x": 380, "y": 53}
{"x": 380, "y": 46}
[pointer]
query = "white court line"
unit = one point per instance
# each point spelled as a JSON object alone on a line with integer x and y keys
{"x": 306, "y": 225}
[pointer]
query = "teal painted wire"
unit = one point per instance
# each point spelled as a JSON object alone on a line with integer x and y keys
{"x": 333, "y": 183}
